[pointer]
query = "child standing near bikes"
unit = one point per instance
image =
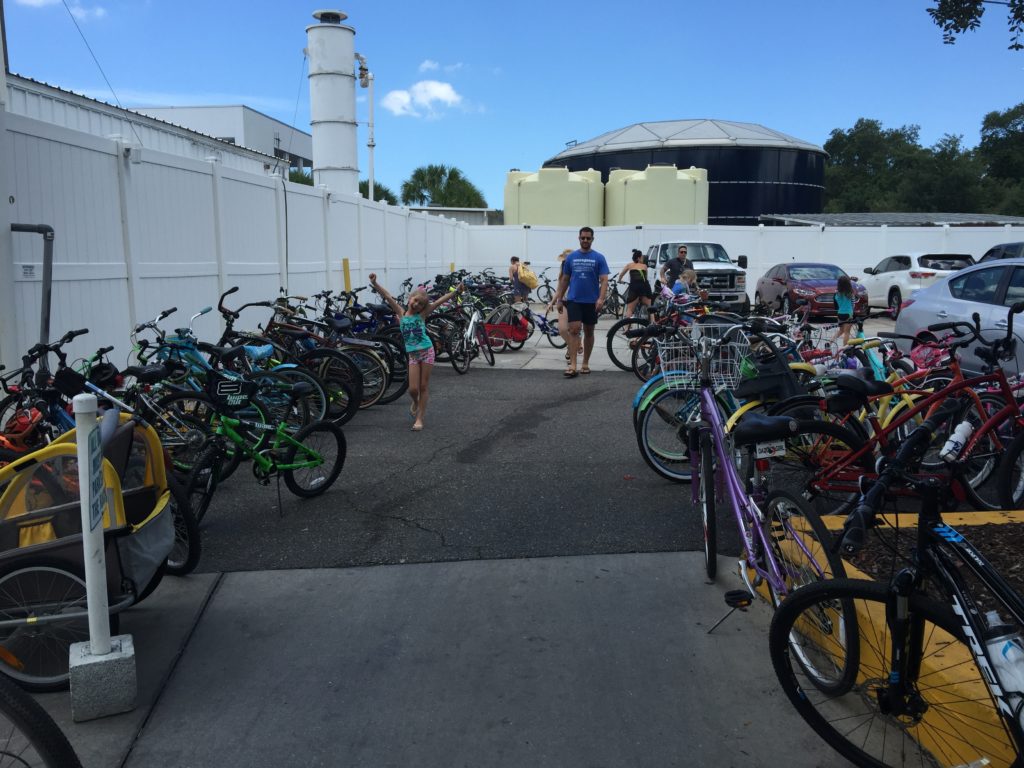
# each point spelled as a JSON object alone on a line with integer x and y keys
{"x": 418, "y": 345}
{"x": 844, "y": 308}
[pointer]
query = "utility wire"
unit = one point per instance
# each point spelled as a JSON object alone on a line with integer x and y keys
{"x": 295, "y": 113}
{"x": 99, "y": 67}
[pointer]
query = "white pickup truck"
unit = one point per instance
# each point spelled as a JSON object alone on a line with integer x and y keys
{"x": 724, "y": 279}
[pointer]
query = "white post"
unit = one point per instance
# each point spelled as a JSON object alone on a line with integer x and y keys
{"x": 370, "y": 143}
{"x": 9, "y": 323}
{"x": 92, "y": 498}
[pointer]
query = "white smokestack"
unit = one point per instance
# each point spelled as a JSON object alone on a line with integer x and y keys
{"x": 332, "y": 102}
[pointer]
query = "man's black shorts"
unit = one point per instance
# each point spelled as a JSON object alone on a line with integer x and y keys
{"x": 579, "y": 312}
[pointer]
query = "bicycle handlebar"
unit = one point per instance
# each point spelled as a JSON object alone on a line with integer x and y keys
{"x": 863, "y": 515}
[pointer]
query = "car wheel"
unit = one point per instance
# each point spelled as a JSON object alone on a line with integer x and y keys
{"x": 895, "y": 300}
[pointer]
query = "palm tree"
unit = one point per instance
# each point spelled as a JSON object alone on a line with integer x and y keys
{"x": 442, "y": 185}
{"x": 380, "y": 192}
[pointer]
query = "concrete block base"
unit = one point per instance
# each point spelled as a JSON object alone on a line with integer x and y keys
{"x": 103, "y": 685}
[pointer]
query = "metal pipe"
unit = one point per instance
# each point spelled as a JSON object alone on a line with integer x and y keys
{"x": 44, "y": 320}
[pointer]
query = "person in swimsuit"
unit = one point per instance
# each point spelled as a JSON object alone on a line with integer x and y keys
{"x": 639, "y": 289}
{"x": 418, "y": 345}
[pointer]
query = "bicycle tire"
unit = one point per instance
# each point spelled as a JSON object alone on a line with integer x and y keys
{"x": 484, "y": 346}
{"x": 644, "y": 362}
{"x": 28, "y": 735}
{"x": 36, "y": 655}
{"x": 458, "y": 354}
{"x": 619, "y": 348}
{"x": 276, "y": 391}
{"x": 373, "y": 372}
{"x": 544, "y": 294}
{"x": 343, "y": 381}
{"x": 969, "y": 722}
{"x": 816, "y": 446}
{"x": 661, "y": 433}
{"x": 203, "y": 479}
{"x": 330, "y": 436}
{"x": 1011, "y": 475}
{"x": 398, "y": 366}
{"x": 556, "y": 340}
{"x": 707, "y": 498}
{"x": 184, "y": 554}
{"x": 979, "y": 471}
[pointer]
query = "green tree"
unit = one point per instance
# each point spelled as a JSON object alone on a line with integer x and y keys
{"x": 442, "y": 185}
{"x": 948, "y": 177}
{"x": 300, "y": 177}
{"x": 958, "y": 16}
{"x": 866, "y": 166}
{"x": 1002, "y": 143}
{"x": 380, "y": 192}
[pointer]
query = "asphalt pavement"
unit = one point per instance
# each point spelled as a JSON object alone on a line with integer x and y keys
{"x": 511, "y": 586}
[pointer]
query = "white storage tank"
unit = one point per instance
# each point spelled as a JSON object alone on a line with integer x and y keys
{"x": 555, "y": 197}
{"x": 662, "y": 194}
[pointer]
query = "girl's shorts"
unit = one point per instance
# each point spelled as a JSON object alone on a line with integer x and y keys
{"x": 843, "y": 319}
{"x": 421, "y": 356}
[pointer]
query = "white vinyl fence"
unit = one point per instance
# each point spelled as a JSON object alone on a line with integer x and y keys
{"x": 138, "y": 230}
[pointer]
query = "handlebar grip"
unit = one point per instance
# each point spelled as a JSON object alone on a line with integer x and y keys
{"x": 74, "y": 334}
{"x": 229, "y": 291}
{"x": 168, "y": 312}
{"x": 944, "y": 326}
{"x": 104, "y": 350}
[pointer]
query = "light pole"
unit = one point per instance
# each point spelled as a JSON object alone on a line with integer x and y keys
{"x": 366, "y": 81}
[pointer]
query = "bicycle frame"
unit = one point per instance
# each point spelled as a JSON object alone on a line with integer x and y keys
{"x": 942, "y": 552}
{"x": 226, "y": 427}
{"x": 927, "y": 407}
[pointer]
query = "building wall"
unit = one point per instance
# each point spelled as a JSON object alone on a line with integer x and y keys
{"x": 219, "y": 122}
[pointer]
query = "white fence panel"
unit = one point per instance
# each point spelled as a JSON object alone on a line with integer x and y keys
{"x": 305, "y": 257}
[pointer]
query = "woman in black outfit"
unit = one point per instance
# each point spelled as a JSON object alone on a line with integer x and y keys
{"x": 639, "y": 289}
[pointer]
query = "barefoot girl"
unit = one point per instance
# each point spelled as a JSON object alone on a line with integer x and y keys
{"x": 417, "y": 344}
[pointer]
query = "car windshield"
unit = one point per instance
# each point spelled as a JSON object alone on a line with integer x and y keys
{"x": 944, "y": 261}
{"x": 708, "y": 252}
{"x": 815, "y": 272}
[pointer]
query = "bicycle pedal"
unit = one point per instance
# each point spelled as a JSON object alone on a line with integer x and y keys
{"x": 738, "y": 598}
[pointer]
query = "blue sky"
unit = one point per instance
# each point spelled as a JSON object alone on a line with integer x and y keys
{"x": 489, "y": 86}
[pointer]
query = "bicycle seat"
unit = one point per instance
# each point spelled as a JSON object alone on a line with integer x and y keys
{"x": 754, "y": 428}
{"x": 339, "y": 324}
{"x": 379, "y": 309}
{"x": 149, "y": 374}
{"x": 295, "y": 333}
{"x": 851, "y": 382}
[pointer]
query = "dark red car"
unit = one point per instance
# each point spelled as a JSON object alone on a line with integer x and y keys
{"x": 785, "y": 284}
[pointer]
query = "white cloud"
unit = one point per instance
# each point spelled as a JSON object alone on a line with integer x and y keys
{"x": 453, "y": 67}
{"x": 84, "y": 14}
{"x": 80, "y": 12}
{"x": 421, "y": 99}
{"x": 426, "y": 66}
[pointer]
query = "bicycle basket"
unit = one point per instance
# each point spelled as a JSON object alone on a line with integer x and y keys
{"x": 230, "y": 393}
{"x": 729, "y": 358}
{"x": 69, "y": 382}
{"x": 928, "y": 355}
{"x": 822, "y": 337}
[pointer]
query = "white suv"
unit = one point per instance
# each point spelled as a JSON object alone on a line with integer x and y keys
{"x": 896, "y": 277}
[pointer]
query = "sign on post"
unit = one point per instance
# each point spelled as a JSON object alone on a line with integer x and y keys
{"x": 97, "y": 492}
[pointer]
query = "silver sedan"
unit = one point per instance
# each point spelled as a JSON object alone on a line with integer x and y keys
{"x": 989, "y": 289}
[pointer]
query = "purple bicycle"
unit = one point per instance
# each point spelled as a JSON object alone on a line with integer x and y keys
{"x": 785, "y": 542}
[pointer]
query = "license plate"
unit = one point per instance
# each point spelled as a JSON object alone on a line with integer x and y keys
{"x": 770, "y": 450}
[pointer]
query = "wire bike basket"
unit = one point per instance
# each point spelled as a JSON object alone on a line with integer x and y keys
{"x": 726, "y": 348}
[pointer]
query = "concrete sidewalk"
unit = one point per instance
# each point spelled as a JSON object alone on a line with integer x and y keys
{"x": 580, "y": 661}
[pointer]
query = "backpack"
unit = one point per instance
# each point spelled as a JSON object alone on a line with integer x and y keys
{"x": 528, "y": 277}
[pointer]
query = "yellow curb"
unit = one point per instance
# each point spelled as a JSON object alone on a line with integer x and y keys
{"x": 909, "y": 519}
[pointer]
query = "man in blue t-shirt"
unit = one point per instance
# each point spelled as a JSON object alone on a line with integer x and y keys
{"x": 582, "y": 287}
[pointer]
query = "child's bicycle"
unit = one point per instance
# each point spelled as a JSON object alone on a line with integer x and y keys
{"x": 309, "y": 459}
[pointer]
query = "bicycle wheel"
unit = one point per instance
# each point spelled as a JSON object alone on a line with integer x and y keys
{"x": 707, "y": 498}
{"x": 316, "y": 401}
{"x": 458, "y": 353}
{"x": 398, "y": 366}
{"x": 979, "y": 470}
{"x": 343, "y": 381}
{"x": 328, "y": 441}
{"x": 801, "y": 544}
{"x": 202, "y": 481}
{"x": 805, "y": 466}
{"x": 555, "y": 339}
{"x": 484, "y": 346}
{"x": 184, "y": 555}
{"x": 373, "y": 373}
{"x": 620, "y": 348}
{"x": 544, "y": 293}
{"x": 28, "y": 735}
{"x": 661, "y": 433}
{"x": 1011, "y": 475}
{"x": 644, "y": 361}
{"x": 277, "y": 392}
{"x": 36, "y": 654}
{"x": 837, "y": 685}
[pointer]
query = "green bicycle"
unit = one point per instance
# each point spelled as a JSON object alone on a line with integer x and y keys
{"x": 308, "y": 459}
